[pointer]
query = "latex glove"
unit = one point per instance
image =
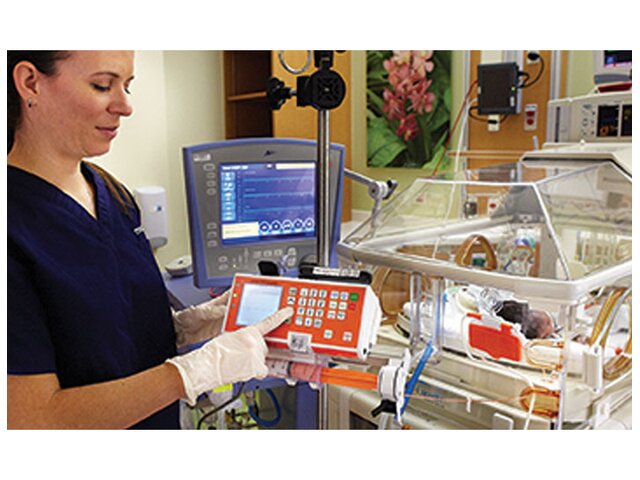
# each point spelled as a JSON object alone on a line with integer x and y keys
{"x": 229, "y": 358}
{"x": 202, "y": 322}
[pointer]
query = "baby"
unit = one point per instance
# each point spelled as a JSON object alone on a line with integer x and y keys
{"x": 534, "y": 323}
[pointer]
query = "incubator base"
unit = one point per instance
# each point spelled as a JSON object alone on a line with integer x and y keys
{"x": 459, "y": 391}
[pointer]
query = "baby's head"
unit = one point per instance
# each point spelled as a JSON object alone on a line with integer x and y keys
{"x": 537, "y": 324}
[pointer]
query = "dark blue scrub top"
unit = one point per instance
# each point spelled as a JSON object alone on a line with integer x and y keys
{"x": 86, "y": 300}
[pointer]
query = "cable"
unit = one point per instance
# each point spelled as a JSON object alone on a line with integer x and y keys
{"x": 220, "y": 407}
{"x": 475, "y": 107}
{"x": 531, "y": 56}
{"x": 253, "y": 413}
{"x": 465, "y": 100}
{"x": 416, "y": 375}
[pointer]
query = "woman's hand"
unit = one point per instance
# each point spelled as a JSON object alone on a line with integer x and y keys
{"x": 202, "y": 322}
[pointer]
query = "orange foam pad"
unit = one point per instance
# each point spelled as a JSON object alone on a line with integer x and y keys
{"x": 497, "y": 343}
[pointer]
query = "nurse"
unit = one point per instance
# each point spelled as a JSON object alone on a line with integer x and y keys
{"x": 91, "y": 339}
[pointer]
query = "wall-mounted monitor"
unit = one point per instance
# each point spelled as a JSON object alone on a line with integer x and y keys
{"x": 611, "y": 66}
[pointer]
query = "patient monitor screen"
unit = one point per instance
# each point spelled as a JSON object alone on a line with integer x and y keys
{"x": 258, "y": 302}
{"x": 266, "y": 201}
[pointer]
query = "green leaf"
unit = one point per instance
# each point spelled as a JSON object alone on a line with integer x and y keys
{"x": 383, "y": 145}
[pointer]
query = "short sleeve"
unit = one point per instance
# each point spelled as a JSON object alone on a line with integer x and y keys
{"x": 29, "y": 346}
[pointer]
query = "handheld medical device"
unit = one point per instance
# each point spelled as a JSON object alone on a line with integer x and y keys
{"x": 253, "y": 200}
{"x": 330, "y": 318}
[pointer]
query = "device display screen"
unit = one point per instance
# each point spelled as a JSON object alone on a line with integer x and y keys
{"x": 258, "y": 302}
{"x": 608, "y": 121}
{"x": 267, "y": 201}
{"x": 617, "y": 58}
{"x": 626, "y": 120}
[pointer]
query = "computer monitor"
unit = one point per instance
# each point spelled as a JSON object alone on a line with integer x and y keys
{"x": 254, "y": 199}
{"x": 610, "y": 66}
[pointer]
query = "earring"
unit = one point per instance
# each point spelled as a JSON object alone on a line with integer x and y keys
{"x": 30, "y": 102}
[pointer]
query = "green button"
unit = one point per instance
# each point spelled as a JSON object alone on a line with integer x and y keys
{"x": 353, "y": 297}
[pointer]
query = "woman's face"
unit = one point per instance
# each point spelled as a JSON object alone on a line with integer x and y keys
{"x": 80, "y": 107}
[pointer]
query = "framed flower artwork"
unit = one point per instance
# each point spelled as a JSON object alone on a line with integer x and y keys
{"x": 408, "y": 108}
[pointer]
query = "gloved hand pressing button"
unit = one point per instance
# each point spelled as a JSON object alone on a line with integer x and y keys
{"x": 229, "y": 358}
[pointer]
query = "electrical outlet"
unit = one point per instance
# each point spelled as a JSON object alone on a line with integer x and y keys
{"x": 531, "y": 117}
{"x": 494, "y": 123}
{"x": 532, "y": 62}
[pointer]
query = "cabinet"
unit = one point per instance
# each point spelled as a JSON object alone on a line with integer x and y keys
{"x": 247, "y": 112}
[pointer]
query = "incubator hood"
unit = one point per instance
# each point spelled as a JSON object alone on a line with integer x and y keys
{"x": 543, "y": 230}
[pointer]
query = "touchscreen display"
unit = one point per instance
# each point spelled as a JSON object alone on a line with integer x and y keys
{"x": 267, "y": 201}
{"x": 258, "y": 302}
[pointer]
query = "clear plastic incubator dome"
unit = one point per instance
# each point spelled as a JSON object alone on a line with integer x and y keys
{"x": 520, "y": 276}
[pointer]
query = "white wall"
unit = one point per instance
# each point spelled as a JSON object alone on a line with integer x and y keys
{"x": 178, "y": 100}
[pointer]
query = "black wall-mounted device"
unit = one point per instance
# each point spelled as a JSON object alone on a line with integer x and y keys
{"x": 498, "y": 88}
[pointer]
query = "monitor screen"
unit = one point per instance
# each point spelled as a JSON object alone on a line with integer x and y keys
{"x": 611, "y": 66}
{"x": 266, "y": 201}
{"x": 258, "y": 302}
{"x": 252, "y": 201}
{"x": 617, "y": 58}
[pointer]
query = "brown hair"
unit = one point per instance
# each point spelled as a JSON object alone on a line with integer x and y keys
{"x": 46, "y": 62}
{"x": 117, "y": 190}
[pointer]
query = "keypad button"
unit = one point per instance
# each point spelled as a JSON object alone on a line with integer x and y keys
{"x": 310, "y": 312}
{"x": 328, "y": 334}
{"x": 313, "y": 292}
{"x": 304, "y": 292}
{"x": 341, "y": 316}
{"x": 291, "y": 301}
{"x": 302, "y": 302}
{"x": 322, "y": 294}
{"x": 293, "y": 290}
{"x": 344, "y": 295}
{"x": 299, "y": 321}
{"x": 347, "y": 336}
{"x": 300, "y": 311}
{"x": 308, "y": 321}
{"x": 317, "y": 323}
{"x": 312, "y": 302}
{"x": 335, "y": 295}
{"x": 322, "y": 303}
{"x": 333, "y": 304}
{"x": 354, "y": 297}
{"x": 342, "y": 306}
{"x": 319, "y": 312}
{"x": 331, "y": 314}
